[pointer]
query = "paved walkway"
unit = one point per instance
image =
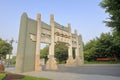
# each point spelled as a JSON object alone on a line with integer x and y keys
{"x": 69, "y": 76}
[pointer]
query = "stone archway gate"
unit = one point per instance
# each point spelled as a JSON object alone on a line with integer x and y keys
{"x": 33, "y": 32}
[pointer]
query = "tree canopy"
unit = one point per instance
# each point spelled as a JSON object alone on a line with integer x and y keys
{"x": 61, "y": 52}
{"x": 44, "y": 52}
{"x": 105, "y": 46}
{"x": 113, "y": 8}
{"x": 5, "y": 48}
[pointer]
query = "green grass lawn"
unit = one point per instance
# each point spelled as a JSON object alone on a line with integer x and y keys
{"x": 33, "y": 78}
{"x": 2, "y": 75}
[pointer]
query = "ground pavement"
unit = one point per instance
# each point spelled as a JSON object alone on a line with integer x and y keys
{"x": 73, "y": 73}
{"x": 70, "y": 76}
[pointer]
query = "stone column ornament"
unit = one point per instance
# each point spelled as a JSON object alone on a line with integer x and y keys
{"x": 51, "y": 63}
{"x": 38, "y": 66}
{"x": 81, "y": 49}
{"x": 77, "y": 50}
{"x": 70, "y": 61}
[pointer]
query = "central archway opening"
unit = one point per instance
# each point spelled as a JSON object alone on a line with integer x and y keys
{"x": 44, "y": 52}
{"x": 61, "y": 53}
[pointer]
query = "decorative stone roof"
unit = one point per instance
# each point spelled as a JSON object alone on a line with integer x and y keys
{"x": 45, "y": 26}
{"x": 61, "y": 27}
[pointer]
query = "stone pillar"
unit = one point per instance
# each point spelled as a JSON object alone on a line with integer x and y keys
{"x": 70, "y": 61}
{"x": 38, "y": 66}
{"x": 77, "y": 49}
{"x": 19, "y": 67}
{"x": 81, "y": 49}
{"x": 51, "y": 63}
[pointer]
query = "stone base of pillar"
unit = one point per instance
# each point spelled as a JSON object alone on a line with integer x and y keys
{"x": 78, "y": 61}
{"x": 38, "y": 66}
{"x": 70, "y": 61}
{"x": 51, "y": 63}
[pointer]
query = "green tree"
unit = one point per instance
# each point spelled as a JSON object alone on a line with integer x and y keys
{"x": 90, "y": 50}
{"x": 116, "y": 45}
{"x": 44, "y": 53}
{"x": 113, "y": 8}
{"x": 5, "y": 48}
{"x": 61, "y": 52}
{"x": 12, "y": 61}
{"x": 105, "y": 46}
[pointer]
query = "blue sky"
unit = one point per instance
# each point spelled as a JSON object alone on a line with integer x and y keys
{"x": 84, "y": 15}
